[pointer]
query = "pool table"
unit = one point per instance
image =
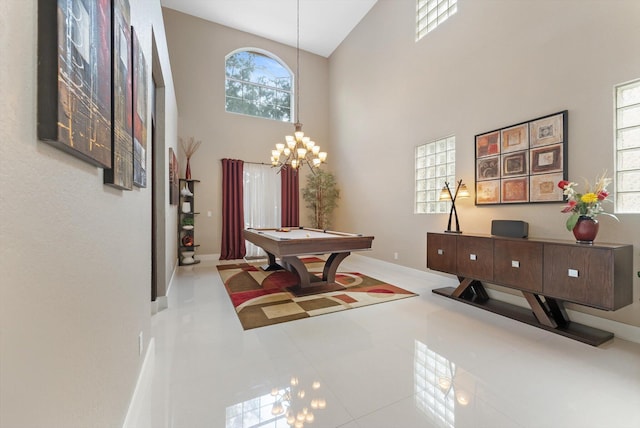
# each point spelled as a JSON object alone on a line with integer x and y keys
{"x": 288, "y": 244}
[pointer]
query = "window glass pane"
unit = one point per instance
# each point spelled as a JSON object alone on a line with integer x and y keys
{"x": 629, "y": 159}
{"x": 432, "y": 171}
{"x": 629, "y": 116}
{"x": 627, "y": 196}
{"x": 629, "y": 94}
{"x": 431, "y": 13}
{"x": 628, "y": 181}
{"x": 628, "y": 202}
{"x": 629, "y": 138}
{"x": 263, "y": 83}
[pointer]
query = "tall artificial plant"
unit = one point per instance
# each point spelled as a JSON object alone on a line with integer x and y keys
{"x": 321, "y": 196}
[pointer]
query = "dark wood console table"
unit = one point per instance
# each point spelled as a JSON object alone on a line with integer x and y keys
{"x": 547, "y": 273}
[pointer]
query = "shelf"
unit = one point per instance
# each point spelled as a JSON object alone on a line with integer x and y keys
{"x": 187, "y": 201}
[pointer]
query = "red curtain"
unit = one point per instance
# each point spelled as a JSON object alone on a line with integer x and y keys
{"x": 233, "y": 246}
{"x": 290, "y": 183}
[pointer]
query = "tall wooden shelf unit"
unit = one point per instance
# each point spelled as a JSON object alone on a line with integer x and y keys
{"x": 186, "y": 234}
{"x": 547, "y": 273}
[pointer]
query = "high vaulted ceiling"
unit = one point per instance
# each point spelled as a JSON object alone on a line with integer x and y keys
{"x": 324, "y": 24}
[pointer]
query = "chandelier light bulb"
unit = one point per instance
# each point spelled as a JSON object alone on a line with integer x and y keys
{"x": 287, "y": 151}
{"x": 299, "y": 135}
{"x": 310, "y": 144}
{"x": 280, "y": 147}
{"x": 316, "y": 162}
{"x": 315, "y": 150}
{"x": 322, "y": 156}
{"x": 302, "y": 152}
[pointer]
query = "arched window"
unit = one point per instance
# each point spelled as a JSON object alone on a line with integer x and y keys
{"x": 258, "y": 84}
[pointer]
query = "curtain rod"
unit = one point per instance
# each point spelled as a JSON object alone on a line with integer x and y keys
{"x": 251, "y": 163}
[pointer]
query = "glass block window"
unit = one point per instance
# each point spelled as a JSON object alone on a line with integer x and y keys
{"x": 627, "y": 124}
{"x": 431, "y": 13}
{"x": 256, "y": 84}
{"x": 435, "y": 165}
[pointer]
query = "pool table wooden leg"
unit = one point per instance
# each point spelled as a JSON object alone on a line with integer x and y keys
{"x": 311, "y": 284}
{"x": 273, "y": 265}
{"x": 331, "y": 266}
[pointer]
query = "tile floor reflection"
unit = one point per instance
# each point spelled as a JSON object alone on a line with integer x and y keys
{"x": 425, "y": 361}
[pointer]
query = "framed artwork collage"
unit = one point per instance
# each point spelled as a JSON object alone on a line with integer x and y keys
{"x": 92, "y": 86}
{"x": 522, "y": 163}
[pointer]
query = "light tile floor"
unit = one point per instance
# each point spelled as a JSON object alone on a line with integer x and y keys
{"x": 424, "y": 361}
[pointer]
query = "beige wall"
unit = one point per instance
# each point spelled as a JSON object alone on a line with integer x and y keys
{"x": 75, "y": 254}
{"x": 198, "y": 49}
{"x": 495, "y": 63}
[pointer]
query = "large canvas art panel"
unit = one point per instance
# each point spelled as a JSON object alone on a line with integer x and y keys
{"x": 121, "y": 173}
{"x": 74, "y": 77}
{"x": 139, "y": 114}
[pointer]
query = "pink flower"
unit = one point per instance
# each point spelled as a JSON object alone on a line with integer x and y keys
{"x": 569, "y": 207}
{"x": 602, "y": 195}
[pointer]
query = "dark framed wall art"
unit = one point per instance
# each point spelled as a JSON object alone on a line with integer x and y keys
{"x": 120, "y": 174}
{"x": 522, "y": 163}
{"x": 74, "y": 77}
{"x": 140, "y": 92}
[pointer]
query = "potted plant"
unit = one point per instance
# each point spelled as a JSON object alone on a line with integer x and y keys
{"x": 321, "y": 195}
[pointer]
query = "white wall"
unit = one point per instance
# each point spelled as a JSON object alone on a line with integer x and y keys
{"x": 198, "y": 49}
{"x": 75, "y": 254}
{"x": 493, "y": 64}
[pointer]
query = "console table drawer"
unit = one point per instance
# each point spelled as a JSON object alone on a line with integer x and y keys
{"x": 518, "y": 264}
{"x": 584, "y": 275}
{"x": 441, "y": 252}
{"x": 475, "y": 257}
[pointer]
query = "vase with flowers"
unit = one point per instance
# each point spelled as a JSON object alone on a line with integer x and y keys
{"x": 189, "y": 147}
{"x": 585, "y": 207}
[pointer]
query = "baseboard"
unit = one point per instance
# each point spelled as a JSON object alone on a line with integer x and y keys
{"x": 208, "y": 257}
{"x": 140, "y": 403}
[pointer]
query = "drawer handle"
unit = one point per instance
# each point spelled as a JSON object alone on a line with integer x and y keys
{"x": 573, "y": 273}
{"x": 515, "y": 264}
{"x": 473, "y": 257}
{"x": 440, "y": 251}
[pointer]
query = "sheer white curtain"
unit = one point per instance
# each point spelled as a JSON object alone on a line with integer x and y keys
{"x": 262, "y": 196}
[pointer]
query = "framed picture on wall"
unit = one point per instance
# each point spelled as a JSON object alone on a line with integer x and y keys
{"x": 488, "y": 144}
{"x": 515, "y": 138}
{"x": 120, "y": 175}
{"x": 140, "y": 91}
{"x": 516, "y": 164}
{"x": 548, "y": 130}
{"x": 74, "y": 78}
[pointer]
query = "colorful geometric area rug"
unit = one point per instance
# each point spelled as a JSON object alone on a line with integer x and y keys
{"x": 260, "y": 298}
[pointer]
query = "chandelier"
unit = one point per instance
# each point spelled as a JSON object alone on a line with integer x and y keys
{"x": 297, "y": 149}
